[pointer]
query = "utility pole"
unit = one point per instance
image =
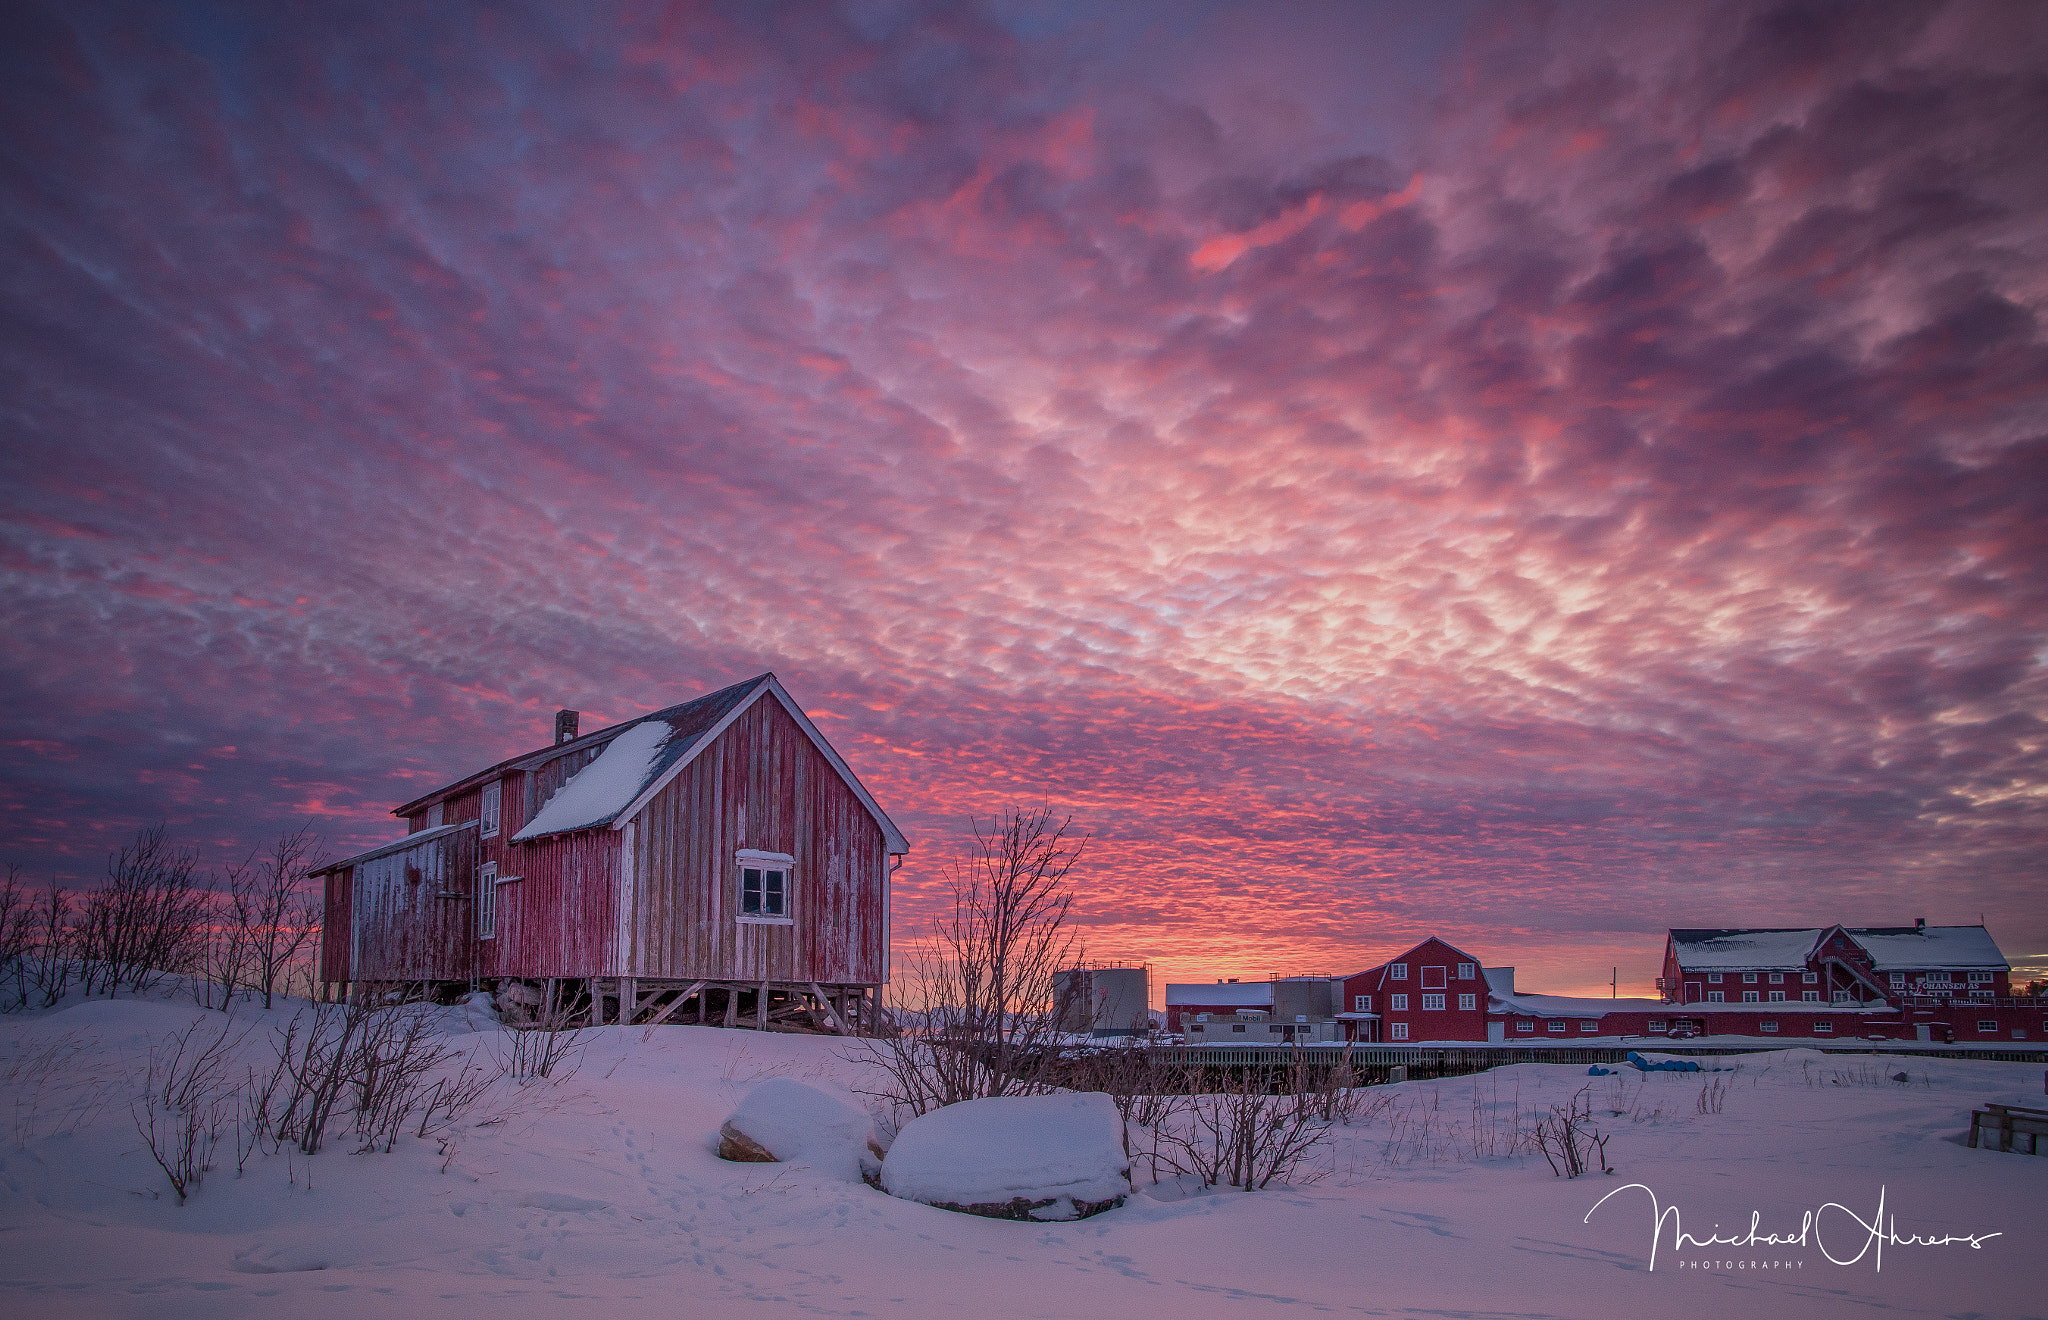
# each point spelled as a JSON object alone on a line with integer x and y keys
{"x": 1614, "y": 983}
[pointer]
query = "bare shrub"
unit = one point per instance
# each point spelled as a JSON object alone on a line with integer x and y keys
{"x": 186, "y": 1101}
{"x": 395, "y": 1052}
{"x": 17, "y": 938}
{"x": 987, "y": 1015}
{"x": 270, "y": 902}
{"x": 547, "y": 1045}
{"x": 1241, "y": 1136}
{"x": 144, "y": 921}
{"x": 1713, "y": 1094}
{"x": 36, "y": 936}
{"x": 1569, "y": 1140}
{"x": 317, "y": 1055}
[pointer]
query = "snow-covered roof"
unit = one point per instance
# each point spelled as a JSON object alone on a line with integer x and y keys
{"x": 398, "y": 845}
{"x": 598, "y": 792}
{"x": 1904, "y": 948}
{"x": 641, "y": 756}
{"x": 1568, "y": 1006}
{"x": 1743, "y": 950}
{"x": 1224, "y": 994}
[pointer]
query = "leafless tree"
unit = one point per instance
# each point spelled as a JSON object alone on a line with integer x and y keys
{"x": 145, "y": 920}
{"x": 271, "y": 910}
{"x": 17, "y": 938}
{"x": 986, "y": 1016}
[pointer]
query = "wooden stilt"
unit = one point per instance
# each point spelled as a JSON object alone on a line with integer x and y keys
{"x": 629, "y": 1000}
{"x": 832, "y": 1018}
{"x": 761, "y": 1008}
{"x": 732, "y": 1007}
{"x": 673, "y": 1005}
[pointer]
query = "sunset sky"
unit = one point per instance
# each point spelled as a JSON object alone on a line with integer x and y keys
{"x": 1531, "y": 474}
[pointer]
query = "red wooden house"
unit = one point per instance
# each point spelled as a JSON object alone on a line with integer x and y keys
{"x": 1432, "y": 992}
{"x": 714, "y": 857}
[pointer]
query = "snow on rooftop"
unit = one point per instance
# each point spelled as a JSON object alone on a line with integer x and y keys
{"x": 605, "y": 787}
{"x": 1905, "y": 949}
{"x": 1743, "y": 950}
{"x": 1568, "y": 1006}
{"x": 1228, "y": 994}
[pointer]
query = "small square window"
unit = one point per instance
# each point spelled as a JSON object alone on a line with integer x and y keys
{"x": 1777, "y": 996}
{"x": 1465, "y": 971}
{"x": 488, "y": 813}
{"x": 1397, "y": 1003}
{"x": 1238, "y": 1027}
{"x": 1361, "y": 1003}
{"x": 1432, "y": 1003}
{"x": 1777, "y": 978}
{"x": 1399, "y": 1031}
{"x": 1398, "y": 972}
{"x": 1987, "y": 1024}
{"x": 1656, "y": 1024}
{"x": 1898, "y": 980}
{"x": 1467, "y": 1003}
{"x": 1717, "y": 996}
{"x": 1750, "y": 997}
{"x": 1770, "y": 1028}
{"x": 1524, "y": 1024}
{"x": 1823, "y": 1028}
{"x": 1557, "y": 1027}
{"x": 1713, "y": 978}
{"x": 1809, "y": 978}
{"x": 764, "y": 885}
{"x": 1809, "y": 996}
{"x": 1589, "y": 1026}
{"x": 1749, "y": 978}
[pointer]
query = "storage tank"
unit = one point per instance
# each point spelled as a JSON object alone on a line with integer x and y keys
{"x": 1118, "y": 996}
{"x": 1073, "y": 992}
{"x": 1305, "y": 998}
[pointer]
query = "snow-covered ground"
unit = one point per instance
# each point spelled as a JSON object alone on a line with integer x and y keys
{"x": 600, "y": 1194}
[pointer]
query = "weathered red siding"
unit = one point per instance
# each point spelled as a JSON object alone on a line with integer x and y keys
{"x": 411, "y": 912}
{"x": 761, "y": 784}
{"x": 559, "y": 918}
{"x": 337, "y": 931}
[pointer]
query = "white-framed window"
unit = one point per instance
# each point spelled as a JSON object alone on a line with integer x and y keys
{"x": 1525, "y": 1024}
{"x": 1749, "y": 978}
{"x": 1398, "y": 1031}
{"x": 1981, "y": 978}
{"x": 1589, "y": 1026}
{"x": 1555, "y": 1026}
{"x": 1751, "y": 997}
{"x": 487, "y": 901}
{"x": 493, "y": 799}
{"x": 1809, "y": 978}
{"x": 764, "y": 886}
{"x": 1987, "y": 1024}
{"x": 1466, "y": 1003}
{"x": 1777, "y": 978}
{"x": 1397, "y": 972}
{"x": 1397, "y": 1003}
{"x": 1432, "y": 1003}
{"x": 1433, "y": 978}
{"x": 1823, "y": 1028}
{"x": 1466, "y": 971}
{"x": 1770, "y": 1028}
{"x": 1361, "y": 1003}
{"x": 1981, "y": 992}
{"x": 1898, "y": 980}
{"x": 1713, "y": 978}
{"x": 1717, "y": 996}
{"x": 1656, "y": 1024}
{"x": 1844, "y": 997}
{"x": 1777, "y": 996}
{"x": 1937, "y": 978}
{"x": 1809, "y": 996}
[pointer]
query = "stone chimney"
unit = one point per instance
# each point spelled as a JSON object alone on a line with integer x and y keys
{"x": 565, "y": 726}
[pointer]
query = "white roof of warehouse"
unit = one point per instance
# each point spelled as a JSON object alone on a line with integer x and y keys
{"x": 1228, "y": 994}
{"x": 1905, "y": 947}
{"x": 1744, "y": 950}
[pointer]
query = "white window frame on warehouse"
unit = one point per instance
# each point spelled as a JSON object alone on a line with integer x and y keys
{"x": 763, "y": 866}
{"x": 490, "y": 808}
{"x": 487, "y": 901}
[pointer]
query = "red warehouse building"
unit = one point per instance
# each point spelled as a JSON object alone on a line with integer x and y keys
{"x": 1435, "y": 991}
{"x": 716, "y": 856}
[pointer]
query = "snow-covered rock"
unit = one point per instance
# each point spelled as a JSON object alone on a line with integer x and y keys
{"x": 1013, "y": 1157}
{"x": 785, "y": 1120}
